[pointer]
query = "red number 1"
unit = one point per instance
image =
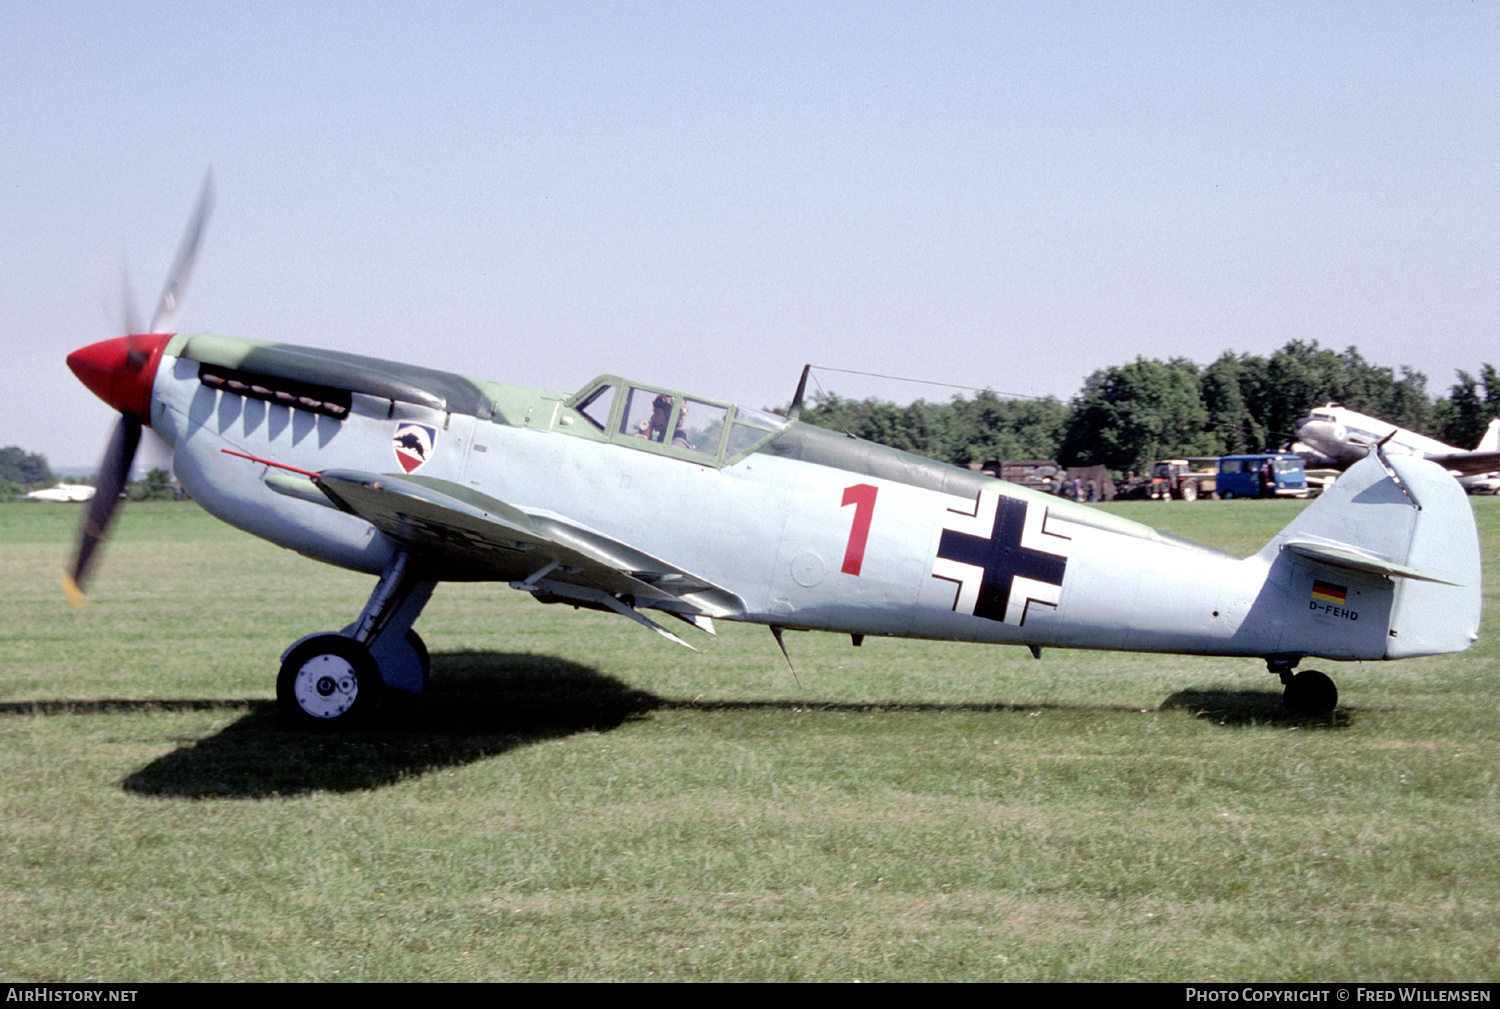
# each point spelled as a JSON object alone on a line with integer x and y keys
{"x": 862, "y": 497}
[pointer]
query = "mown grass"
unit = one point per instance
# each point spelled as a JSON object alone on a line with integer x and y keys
{"x": 579, "y": 799}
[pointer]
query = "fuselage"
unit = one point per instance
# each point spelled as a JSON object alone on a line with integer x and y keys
{"x": 807, "y": 528}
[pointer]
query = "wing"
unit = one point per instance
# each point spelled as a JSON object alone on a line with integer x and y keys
{"x": 1468, "y": 463}
{"x": 456, "y": 533}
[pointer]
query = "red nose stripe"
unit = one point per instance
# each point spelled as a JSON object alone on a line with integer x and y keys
{"x": 121, "y": 370}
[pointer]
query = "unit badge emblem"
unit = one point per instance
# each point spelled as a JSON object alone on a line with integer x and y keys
{"x": 414, "y": 445}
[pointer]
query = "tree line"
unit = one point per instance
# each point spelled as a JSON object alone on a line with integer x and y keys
{"x": 1128, "y": 415}
{"x": 22, "y": 472}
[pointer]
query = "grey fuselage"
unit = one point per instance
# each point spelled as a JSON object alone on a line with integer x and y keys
{"x": 775, "y": 524}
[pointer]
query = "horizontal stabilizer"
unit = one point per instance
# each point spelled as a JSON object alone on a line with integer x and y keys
{"x": 1344, "y": 557}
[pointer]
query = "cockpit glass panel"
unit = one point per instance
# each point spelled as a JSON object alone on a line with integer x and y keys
{"x": 596, "y": 407}
{"x": 742, "y": 415}
{"x": 699, "y": 426}
{"x": 742, "y": 438}
{"x": 646, "y": 415}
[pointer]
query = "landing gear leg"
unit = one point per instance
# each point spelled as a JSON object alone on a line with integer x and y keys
{"x": 1309, "y": 692}
{"x": 336, "y": 680}
{"x": 385, "y": 626}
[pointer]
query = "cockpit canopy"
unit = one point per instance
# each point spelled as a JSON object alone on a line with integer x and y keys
{"x": 656, "y": 419}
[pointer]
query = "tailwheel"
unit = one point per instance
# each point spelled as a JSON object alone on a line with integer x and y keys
{"x": 329, "y": 682}
{"x": 1310, "y": 693}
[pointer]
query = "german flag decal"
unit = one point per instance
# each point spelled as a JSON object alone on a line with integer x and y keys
{"x": 1327, "y": 592}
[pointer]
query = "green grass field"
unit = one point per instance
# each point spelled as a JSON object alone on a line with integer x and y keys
{"x": 579, "y": 799}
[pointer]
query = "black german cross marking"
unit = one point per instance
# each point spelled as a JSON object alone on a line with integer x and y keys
{"x": 1005, "y": 554}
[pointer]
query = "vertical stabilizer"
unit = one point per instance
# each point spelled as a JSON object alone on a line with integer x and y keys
{"x": 1491, "y": 440}
{"x": 1408, "y": 521}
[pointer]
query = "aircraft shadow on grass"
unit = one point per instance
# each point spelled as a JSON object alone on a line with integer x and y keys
{"x": 478, "y": 705}
{"x": 482, "y": 704}
{"x": 1250, "y": 707}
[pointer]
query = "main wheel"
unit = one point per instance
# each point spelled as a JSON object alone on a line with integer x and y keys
{"x": 1189, "y": 492}
{"x": 329, "y": 682}
{"x": 1310, "y": 693}
{"x": 420, "y": 647}
{"x": 1226, "y": 495}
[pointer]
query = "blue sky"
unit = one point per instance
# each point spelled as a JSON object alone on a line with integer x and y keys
{"x": 709, "y": 195}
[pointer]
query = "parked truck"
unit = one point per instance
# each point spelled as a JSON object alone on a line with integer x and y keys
{"x": 1168, "y": 479}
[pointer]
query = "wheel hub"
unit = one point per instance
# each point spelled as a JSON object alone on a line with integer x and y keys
{"x": 326, "y": 686}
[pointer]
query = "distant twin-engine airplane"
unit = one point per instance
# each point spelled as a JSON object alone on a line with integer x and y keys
{"x": 1344, "y": 437}
{"x": 655, "y": 503}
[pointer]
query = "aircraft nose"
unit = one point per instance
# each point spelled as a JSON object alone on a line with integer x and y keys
{"x": 121, "y": 371}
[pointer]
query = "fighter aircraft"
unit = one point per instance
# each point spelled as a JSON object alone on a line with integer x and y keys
{"x": 1342, "y": 437}
{"x": 653, "y": 503}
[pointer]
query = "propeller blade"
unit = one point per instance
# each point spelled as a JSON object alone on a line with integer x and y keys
{"x": 120, "y": 372}
{"x": 164, "y": 320}
{"x": 114, "y": 470}
{"x": 130, "y": 317}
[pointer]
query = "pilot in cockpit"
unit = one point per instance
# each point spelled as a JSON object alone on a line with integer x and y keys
{"x": 656, "y": 428}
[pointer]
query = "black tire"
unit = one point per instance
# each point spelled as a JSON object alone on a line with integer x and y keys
{"x": 1226, "y": 495}
{"x": 329, "y": 683}
{"x": 1310, "y": 693}
{"x": 420, "y": 647}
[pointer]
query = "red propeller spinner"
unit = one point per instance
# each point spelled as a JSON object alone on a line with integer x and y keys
{"x": 121, "y": 370}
